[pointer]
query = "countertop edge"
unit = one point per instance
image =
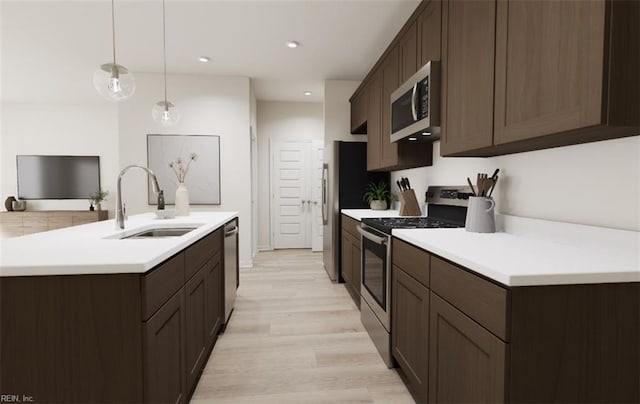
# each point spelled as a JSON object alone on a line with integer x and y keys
{"x": 130, "y": 268}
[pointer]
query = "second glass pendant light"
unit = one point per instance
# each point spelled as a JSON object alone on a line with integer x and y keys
{"x": 165, "y": 112}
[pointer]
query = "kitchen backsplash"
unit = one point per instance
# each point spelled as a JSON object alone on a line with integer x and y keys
{"x": 594, "y": 184}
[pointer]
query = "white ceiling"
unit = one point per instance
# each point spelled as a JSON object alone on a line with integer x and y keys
{"x": 51, "y": 48}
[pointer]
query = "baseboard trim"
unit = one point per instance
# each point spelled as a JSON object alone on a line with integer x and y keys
{"x": 246, "y": 264}
{"x": 265, "y": 248}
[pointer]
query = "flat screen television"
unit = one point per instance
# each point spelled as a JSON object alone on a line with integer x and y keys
{"x": 57, "y": 177}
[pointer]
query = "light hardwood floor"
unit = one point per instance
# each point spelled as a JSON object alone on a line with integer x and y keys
{"x": 295, "y": 337}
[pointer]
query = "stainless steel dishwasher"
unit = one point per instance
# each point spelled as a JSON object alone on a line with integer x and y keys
{"x": 231, "y": 281}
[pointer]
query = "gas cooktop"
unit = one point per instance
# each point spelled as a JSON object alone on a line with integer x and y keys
{"x": 446, "y": 209}
{"x": 386, "y": 224}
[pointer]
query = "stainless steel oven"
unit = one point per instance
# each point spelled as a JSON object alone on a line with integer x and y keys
{"x": 375, "y": 289}
{"x": 446, "y": 208}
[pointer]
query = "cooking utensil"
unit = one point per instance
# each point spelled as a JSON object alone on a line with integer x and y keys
{"x": 471, "y": 185}
{"x": 495, "y": 181}
{"x": 495, "y": 174}
{"x": 408, "y": 183}
{"x": 399, "y": 185}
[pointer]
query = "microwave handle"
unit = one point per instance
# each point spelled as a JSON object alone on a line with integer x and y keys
{"x": 414, "y": 96}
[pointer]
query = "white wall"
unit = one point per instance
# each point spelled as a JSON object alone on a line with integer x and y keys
{"x": 337, "y": 111}
{"x": 280, "y": 121}
{"x": 67, "y": 129}
{"x": 594, "y": 183}
{"x": 208, "y": 105}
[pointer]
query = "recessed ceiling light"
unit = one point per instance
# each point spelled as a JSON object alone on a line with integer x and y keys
{"x": 426, "y": 133}
{"x": 204, "y": 59}
{"x": 293, "y": 44}
{"x": 413, "y": 138}
{"x": 308, "y": 93}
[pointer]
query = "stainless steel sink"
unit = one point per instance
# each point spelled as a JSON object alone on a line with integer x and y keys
{"x": 162, "y": 232}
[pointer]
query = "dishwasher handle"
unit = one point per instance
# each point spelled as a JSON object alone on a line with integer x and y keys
{"x": 232, "y": 232}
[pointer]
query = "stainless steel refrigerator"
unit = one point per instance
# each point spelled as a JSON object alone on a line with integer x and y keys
{"x": 344, "y": 180}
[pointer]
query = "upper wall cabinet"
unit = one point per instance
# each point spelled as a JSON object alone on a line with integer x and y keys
{"x": 468, "y": 32}
{"x": 428, "y": 31}
{"x": 408, "y": 49}
{"x": 359, "y": 106}
{"x": 416, "y": 43}
{"x": 565, "y": 73}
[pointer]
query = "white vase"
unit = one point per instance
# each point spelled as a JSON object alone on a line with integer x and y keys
{"x": 182, "y": 200}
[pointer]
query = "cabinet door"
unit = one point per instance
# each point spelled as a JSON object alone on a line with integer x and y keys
{"x": 196, "y": 325}
{"x": 214, "y": 299}
{"x": 408, "y": 46}
{"x": 390, "y": 77}
{"x": 466, "y": 362}
{"x": 410, "y": 332}
{"x": 346, "y": 266}
{"x": 374, "y": 122}
{"x": 468, "y": 42}
{"x": 356, "y": 258}
{"x": 165, "y": 376}
{"x": 549, "y": 67}
{"x": 429, "y": 36}
{"x": 359, "y": 112}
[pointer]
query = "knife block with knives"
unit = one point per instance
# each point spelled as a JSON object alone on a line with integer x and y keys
{"x": 408, "y": 201}
{"x": 409, "y": 204}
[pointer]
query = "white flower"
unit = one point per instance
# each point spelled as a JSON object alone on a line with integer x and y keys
{"x": 181, "y": 170}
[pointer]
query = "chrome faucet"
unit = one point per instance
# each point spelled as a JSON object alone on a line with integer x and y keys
{"x": 119, "y": 210}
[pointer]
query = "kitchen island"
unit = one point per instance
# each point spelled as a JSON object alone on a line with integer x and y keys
{"x": 89, "y": 315}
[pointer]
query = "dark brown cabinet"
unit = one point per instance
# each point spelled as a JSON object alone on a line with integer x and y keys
{"x": 468, "y": 42}
{"x": 351, "y": 257}
{"x": 466, "y": 362}
{"x": 408, "y": 49}
{"x": 428, "y": 31}
{"x": 458, "y": 337}
{"x": 125, "y": 338}
{"x": 390, "y": 80}
{"x": 410, "y": 330}
{"x": 214, "y": 299}
{"x": 401, "y": 59}
{"x": 165, "y": 376}
{"x": 196, "y": 325}
{"x": 359, "y": 112}
{"x": 345, "y": 254}
{"x": 563, "y": 74}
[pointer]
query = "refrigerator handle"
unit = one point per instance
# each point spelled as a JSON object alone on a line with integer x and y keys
{"x": 325, "y": 190}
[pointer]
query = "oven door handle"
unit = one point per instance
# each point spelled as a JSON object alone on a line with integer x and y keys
{"x": 372, "y": 237}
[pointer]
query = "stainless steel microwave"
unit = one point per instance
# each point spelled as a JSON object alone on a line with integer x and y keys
{"x": 415, "y": 106}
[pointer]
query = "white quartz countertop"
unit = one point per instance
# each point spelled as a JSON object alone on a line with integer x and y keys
{"x": 360, "y": 214}
{"x": 95, "y": 248}
{"x": 531, "y": 253}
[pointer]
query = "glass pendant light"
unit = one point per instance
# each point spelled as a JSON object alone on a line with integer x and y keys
{"x": 164, "y": 112}
{"x": 114, "y": 81}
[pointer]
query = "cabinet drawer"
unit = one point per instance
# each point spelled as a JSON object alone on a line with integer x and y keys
{"x": 198, "y": 254}
{"x": 350, "y": 225}
{"x": 412, "y": 260}
{"x": 161, "y": 283}
{"x": 479, "y": 299}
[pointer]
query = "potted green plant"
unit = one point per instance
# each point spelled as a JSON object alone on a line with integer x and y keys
{"x": 97, "y": 198}
{"x": 377, "y": 195}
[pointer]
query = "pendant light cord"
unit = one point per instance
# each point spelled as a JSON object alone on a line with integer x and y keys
{"x": 113, "y": 30}
{"x": 164, "y": 50}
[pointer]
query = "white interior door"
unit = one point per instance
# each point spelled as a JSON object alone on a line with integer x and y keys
{"x": 289, "y": 174}
{"x": 316, "y": 195}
